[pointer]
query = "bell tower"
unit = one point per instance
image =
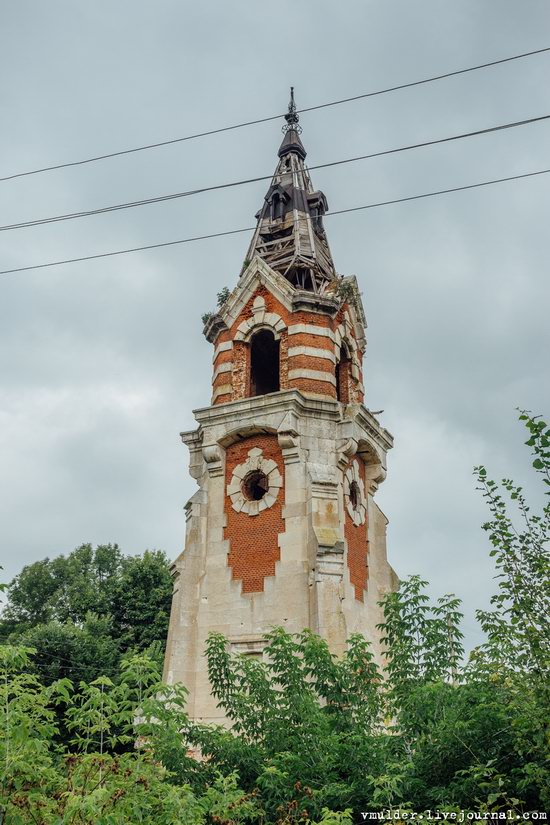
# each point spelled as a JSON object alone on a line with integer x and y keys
{"x": 283, "y": 529}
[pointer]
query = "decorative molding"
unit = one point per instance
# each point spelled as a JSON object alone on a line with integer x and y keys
{"x": 305, "y": 301}
{"x": 260, "y": 319}
{"x": 213, "y": 327}
{"x": 247, "y": 645}
{"x": 289, "y": 440}
{"x": 193, "y": 440}
{"x": 212, "y": 454}
{"x": 267, "y": 411}
{"x": 258, "y": 273}
{"x": 358, "y": 513}
{"x": 268, "y": 466}
{"x": 329, "y": 565}
{"x": 346, "y": 452}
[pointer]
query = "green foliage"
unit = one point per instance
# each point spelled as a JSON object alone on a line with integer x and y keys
{"x": 315, "y": 738}
{"x": 83, "y": 611}
{"x": 518, "y": 626}
{"x": 90, "y": 783}
{"x": 222, "y": 296}
{"x": 141, "y": 601}
{"x": 71, "y": 651}
{"x": 345, "y": 290}
{"x": 206, "y": 316}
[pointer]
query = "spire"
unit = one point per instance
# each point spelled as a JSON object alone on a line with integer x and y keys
{"x": 290, "y": 236}
{"x": 292, "y": 130}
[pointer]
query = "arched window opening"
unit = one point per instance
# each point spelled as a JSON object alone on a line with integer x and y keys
{"x": 264, "y": 363}
{"x": 343, "y": 370}
{"x": 277, "y": 207}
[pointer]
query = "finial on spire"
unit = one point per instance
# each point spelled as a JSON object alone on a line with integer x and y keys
{"x": 292, "y": 119}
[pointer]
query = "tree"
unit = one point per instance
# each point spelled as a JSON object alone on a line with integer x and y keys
{"x": 518, "y": 626}
{"x": 82, "y": 611}
{"x": 65, "y": 650}
{"x": 141, "y": 601}
{"x": 66, "y": 588}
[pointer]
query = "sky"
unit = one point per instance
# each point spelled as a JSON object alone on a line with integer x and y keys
{"x": 102, "y": 362}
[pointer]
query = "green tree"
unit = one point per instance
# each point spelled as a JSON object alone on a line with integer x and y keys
{"x": 518, "y": 626}
{"x": 65, "y": 650}
{"x": 82, "y": 611}
{"x": 141, "y": 601}
{"x": 89, "y": 782}
{"x": 66, "y": 588}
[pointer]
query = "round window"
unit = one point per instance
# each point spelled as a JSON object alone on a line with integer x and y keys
{"x": 255, "y": 485}
{"x": 354, "y": 495}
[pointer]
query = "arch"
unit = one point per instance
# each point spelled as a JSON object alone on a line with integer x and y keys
{"x": 246, "y": 329}
{"x": 374, "y": 464}
{"x": 264, "y": 363}
{"x": 342, "y": 372}
{"x": 241, "y": 433}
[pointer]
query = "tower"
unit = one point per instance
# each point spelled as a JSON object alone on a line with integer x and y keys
{"x": 284, "y": 529}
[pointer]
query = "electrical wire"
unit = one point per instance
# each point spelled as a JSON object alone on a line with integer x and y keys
{"x": 176, "y": 195}
{"x": 276, "y": 117}
{"x": 251, "y": 228}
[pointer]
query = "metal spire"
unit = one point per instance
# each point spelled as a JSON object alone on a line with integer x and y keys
{"x": 290, "y": 236}
{"x": 292, "y": 119}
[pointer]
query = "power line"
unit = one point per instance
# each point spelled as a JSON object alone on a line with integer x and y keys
{"x": 275, "y": 117}
{"x": 176, "y": 195}
{"x": 251, "y": 228}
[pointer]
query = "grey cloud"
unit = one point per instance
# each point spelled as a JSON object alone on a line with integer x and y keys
{"x": 101, "y": 363}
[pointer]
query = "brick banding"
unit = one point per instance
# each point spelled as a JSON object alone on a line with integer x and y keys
{"x": 311, "y": 352}
{"x": 317, "y": 388}
{"x": 307, "y": 374}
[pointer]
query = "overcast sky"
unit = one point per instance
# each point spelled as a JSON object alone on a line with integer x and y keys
{"x": 102, "y": 362}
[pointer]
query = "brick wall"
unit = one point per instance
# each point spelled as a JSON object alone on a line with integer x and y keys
{"x": 253, "y": 540}
{"x": 357, "y": 546}
{"x": 239, "y": 356}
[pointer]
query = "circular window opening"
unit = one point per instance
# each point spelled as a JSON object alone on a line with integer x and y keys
{"x": 354, "y": 495}
{"x": 255, "y": 485}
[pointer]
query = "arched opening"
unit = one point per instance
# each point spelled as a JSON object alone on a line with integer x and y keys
{"x": 264, "y": 363}
{"x": 343, "y": 370}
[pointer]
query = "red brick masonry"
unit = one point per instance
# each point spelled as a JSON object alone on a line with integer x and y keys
{"x": 358, "y": 546}
{"x": 254, "y": 547}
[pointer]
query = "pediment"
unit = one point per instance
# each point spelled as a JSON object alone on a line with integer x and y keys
{"x": 256, "y": 274}
{"x": 259, "y": 274}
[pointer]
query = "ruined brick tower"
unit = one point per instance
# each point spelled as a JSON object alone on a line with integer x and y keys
{"x": 283, "y": 530}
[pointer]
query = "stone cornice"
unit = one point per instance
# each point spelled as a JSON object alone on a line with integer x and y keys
{"x": 303, "y": 301}
{"x": 245, "y": 409}
{"x": 367, "y": 421}
{"x": 213, "y": 327}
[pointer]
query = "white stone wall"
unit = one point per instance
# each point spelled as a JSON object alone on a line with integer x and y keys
{"x": 311, "y": 587}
